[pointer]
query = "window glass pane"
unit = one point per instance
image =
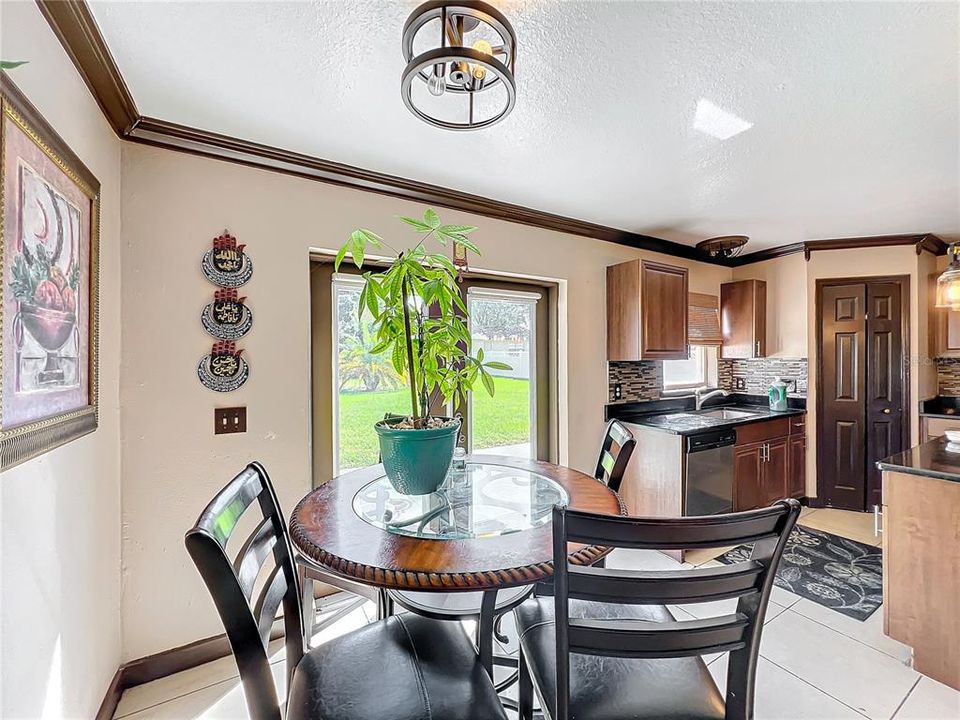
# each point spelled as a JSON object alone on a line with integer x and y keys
{"x": 692, "y": 371}
{"x": 367, "y": 386}
{"x": 503, "y": 328}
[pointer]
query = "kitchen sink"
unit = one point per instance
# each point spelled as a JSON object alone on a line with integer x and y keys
{"x": 727, "y": 414}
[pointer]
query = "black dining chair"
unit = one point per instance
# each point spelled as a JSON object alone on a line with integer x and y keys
{"x": 615, "y": 452}
{"x": 416, "y": 667}
{"x": 605, "y": 647}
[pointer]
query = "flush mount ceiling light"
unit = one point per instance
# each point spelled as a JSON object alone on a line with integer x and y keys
{"x": 948, "y": 284}
{"x": 724, "y": 246}
{"x": 460, "y": 61}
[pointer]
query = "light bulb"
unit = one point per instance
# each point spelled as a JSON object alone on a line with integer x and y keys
{"x": 436, "y": 85}
{"x": 478, "y": 70}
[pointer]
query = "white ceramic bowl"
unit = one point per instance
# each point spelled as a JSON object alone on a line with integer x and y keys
{"x": 952, "y": 435}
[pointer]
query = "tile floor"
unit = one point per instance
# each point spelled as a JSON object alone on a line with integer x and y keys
{"x": 815, "y": 663}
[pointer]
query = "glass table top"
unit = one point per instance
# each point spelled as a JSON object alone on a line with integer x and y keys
{"x": 483, "y": 500}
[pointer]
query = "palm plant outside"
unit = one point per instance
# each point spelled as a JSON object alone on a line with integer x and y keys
{"x": 434, "y": 353}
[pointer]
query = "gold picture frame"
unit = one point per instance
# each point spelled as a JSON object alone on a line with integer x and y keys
{"x": 49, "y": 314}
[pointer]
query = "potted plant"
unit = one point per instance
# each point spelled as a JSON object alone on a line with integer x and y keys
{"x": 431, "y": 350}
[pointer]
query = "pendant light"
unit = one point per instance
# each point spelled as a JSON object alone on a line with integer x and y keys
{"x": 948, "y": 284}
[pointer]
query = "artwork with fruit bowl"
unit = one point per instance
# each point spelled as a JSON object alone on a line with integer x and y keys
{"x": 49, "y": 319}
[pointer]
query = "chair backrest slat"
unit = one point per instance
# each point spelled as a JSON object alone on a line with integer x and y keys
{"x": 231, "y": 583}
{"x": 686, "y": 533}
{"x": 663, "y": 588}
{"x": 254, "y": 554}
{"x": 615, "y": 452}
{"x": 638, "y": 639}
{"x": 751, "y": 581}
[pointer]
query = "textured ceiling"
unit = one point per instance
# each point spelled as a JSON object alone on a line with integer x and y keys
{"x": 852, "y": 107}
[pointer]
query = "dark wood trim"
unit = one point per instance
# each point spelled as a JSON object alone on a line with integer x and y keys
{"x": 921, "y": 241}
{"x": 153, "y": 667}
{"x": 171, "y": 136}
{"x": 75, "y": 27}
{"x": 907, "y": 425}
{"x": 111, "y": 699}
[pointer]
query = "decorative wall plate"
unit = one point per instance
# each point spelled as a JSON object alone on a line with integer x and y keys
{"x": 226, "y": 264}
{"x": 227, "y": 317}
{"x": 223, "y": 369}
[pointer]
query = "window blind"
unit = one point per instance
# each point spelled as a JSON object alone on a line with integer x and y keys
{"x": 703, "y": 319}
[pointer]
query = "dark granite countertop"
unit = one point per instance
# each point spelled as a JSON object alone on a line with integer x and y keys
{"x": 931, "y": 459}
{"x": 677, "y": 415}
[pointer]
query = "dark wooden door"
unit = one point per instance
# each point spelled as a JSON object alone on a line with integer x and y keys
{"x": 747, "y": 471}
{"x": 797, "y": 470}
{"x": 773, "y": 481}
{"x": 886, "y": 377}
{"x": 841, "y": 468}
{"x": 863, "y": 387}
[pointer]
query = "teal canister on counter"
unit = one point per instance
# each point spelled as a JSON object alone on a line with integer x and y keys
{"x": 777, "y": 393}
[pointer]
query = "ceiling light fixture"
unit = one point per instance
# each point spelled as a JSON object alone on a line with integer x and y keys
{"x": 724, "y": 246}
{"x": 948, "y": 284}
{"x": 471, "y": 49}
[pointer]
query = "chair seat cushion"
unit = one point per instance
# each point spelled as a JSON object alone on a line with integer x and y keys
{"x": 609, "y": 688}
{"x": 402, "y": 668}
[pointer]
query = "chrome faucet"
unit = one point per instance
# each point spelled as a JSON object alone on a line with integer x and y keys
{"x": 700, "y": 395}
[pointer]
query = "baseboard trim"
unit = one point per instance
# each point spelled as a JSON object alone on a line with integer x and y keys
{"x": 108, "y": 708}
{"x": 153, "y": 667}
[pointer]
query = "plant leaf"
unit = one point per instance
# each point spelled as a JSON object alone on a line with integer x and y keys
{"x": 418, "y": 225}
{"x": 497, "y": 365}
{"x": 341, "y": 253}
{"x": 431, "y": 218}
{"x": 10, "y": 65}
{"x": 371, "y": 237}
{"x": 456, "y": 229}
{"x": 488, "y": 382}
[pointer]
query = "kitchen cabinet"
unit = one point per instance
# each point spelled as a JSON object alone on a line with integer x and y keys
{"x": 944, "y": 327}
{"x": 769, "y": 462}
{"x": 933, "y": 427}
{"x": 646, "y": 311}
{"x": 743, "y": 319}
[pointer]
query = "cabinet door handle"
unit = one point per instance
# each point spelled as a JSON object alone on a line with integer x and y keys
{"x": 877, "y": 521}
{"x": 758, "y": 349}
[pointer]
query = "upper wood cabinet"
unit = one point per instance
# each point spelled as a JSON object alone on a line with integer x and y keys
{"x": 743, "y": 319}
{"x": 646, "y": 311}
{"x": 944, "y": 327}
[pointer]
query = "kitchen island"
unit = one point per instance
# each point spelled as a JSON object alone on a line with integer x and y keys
{"x": 921, "y": 556}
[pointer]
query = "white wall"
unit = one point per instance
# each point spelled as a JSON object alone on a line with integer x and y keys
{"x": 60, "y": 526}
{"x": 173, "y": 205}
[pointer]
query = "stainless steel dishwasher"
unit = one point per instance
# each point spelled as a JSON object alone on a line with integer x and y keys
{"x": 709, "y": 472}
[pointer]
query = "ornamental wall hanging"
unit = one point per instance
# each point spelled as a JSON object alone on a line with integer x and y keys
{"x": 227, "y": 317}
{"x": 49, "y": 240}
{"x": 223, "y": 369}
{"x": 226, "y": 264}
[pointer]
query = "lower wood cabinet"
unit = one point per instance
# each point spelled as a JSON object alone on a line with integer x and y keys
{"x": 770, "y": 466}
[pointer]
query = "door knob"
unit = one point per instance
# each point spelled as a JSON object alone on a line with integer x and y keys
{"x": 886, "y": 411}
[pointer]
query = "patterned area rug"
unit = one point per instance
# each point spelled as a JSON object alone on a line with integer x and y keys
{"x": 841, "y": 574}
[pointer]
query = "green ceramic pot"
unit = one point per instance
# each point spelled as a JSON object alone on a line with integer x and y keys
{"x": 416, "y": 461}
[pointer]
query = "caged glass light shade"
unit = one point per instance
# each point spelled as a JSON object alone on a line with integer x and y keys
{"x": 948, "y": 284}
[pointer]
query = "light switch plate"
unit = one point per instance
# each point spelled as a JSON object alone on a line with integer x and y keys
{"x": 229, "y": 420}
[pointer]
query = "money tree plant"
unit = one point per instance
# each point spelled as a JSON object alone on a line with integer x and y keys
{"x": 431, "y": 349}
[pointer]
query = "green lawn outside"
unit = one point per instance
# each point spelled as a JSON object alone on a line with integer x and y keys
{"x": 501, "y": 420}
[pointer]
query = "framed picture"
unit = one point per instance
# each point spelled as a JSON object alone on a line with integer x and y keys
{"x": 49, "y": 244}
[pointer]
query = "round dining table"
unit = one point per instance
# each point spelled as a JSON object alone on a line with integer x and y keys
{"x": 487, "y": 528}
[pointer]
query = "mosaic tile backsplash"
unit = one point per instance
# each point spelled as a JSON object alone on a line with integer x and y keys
{"x": 759, "y": 373}
{"x": 640, "y": 380}
{"x": 948, "y": 376}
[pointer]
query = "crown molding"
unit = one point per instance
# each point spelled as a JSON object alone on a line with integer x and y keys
{"x": 76, "y": 28}
{"x": 921, "y": 241}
